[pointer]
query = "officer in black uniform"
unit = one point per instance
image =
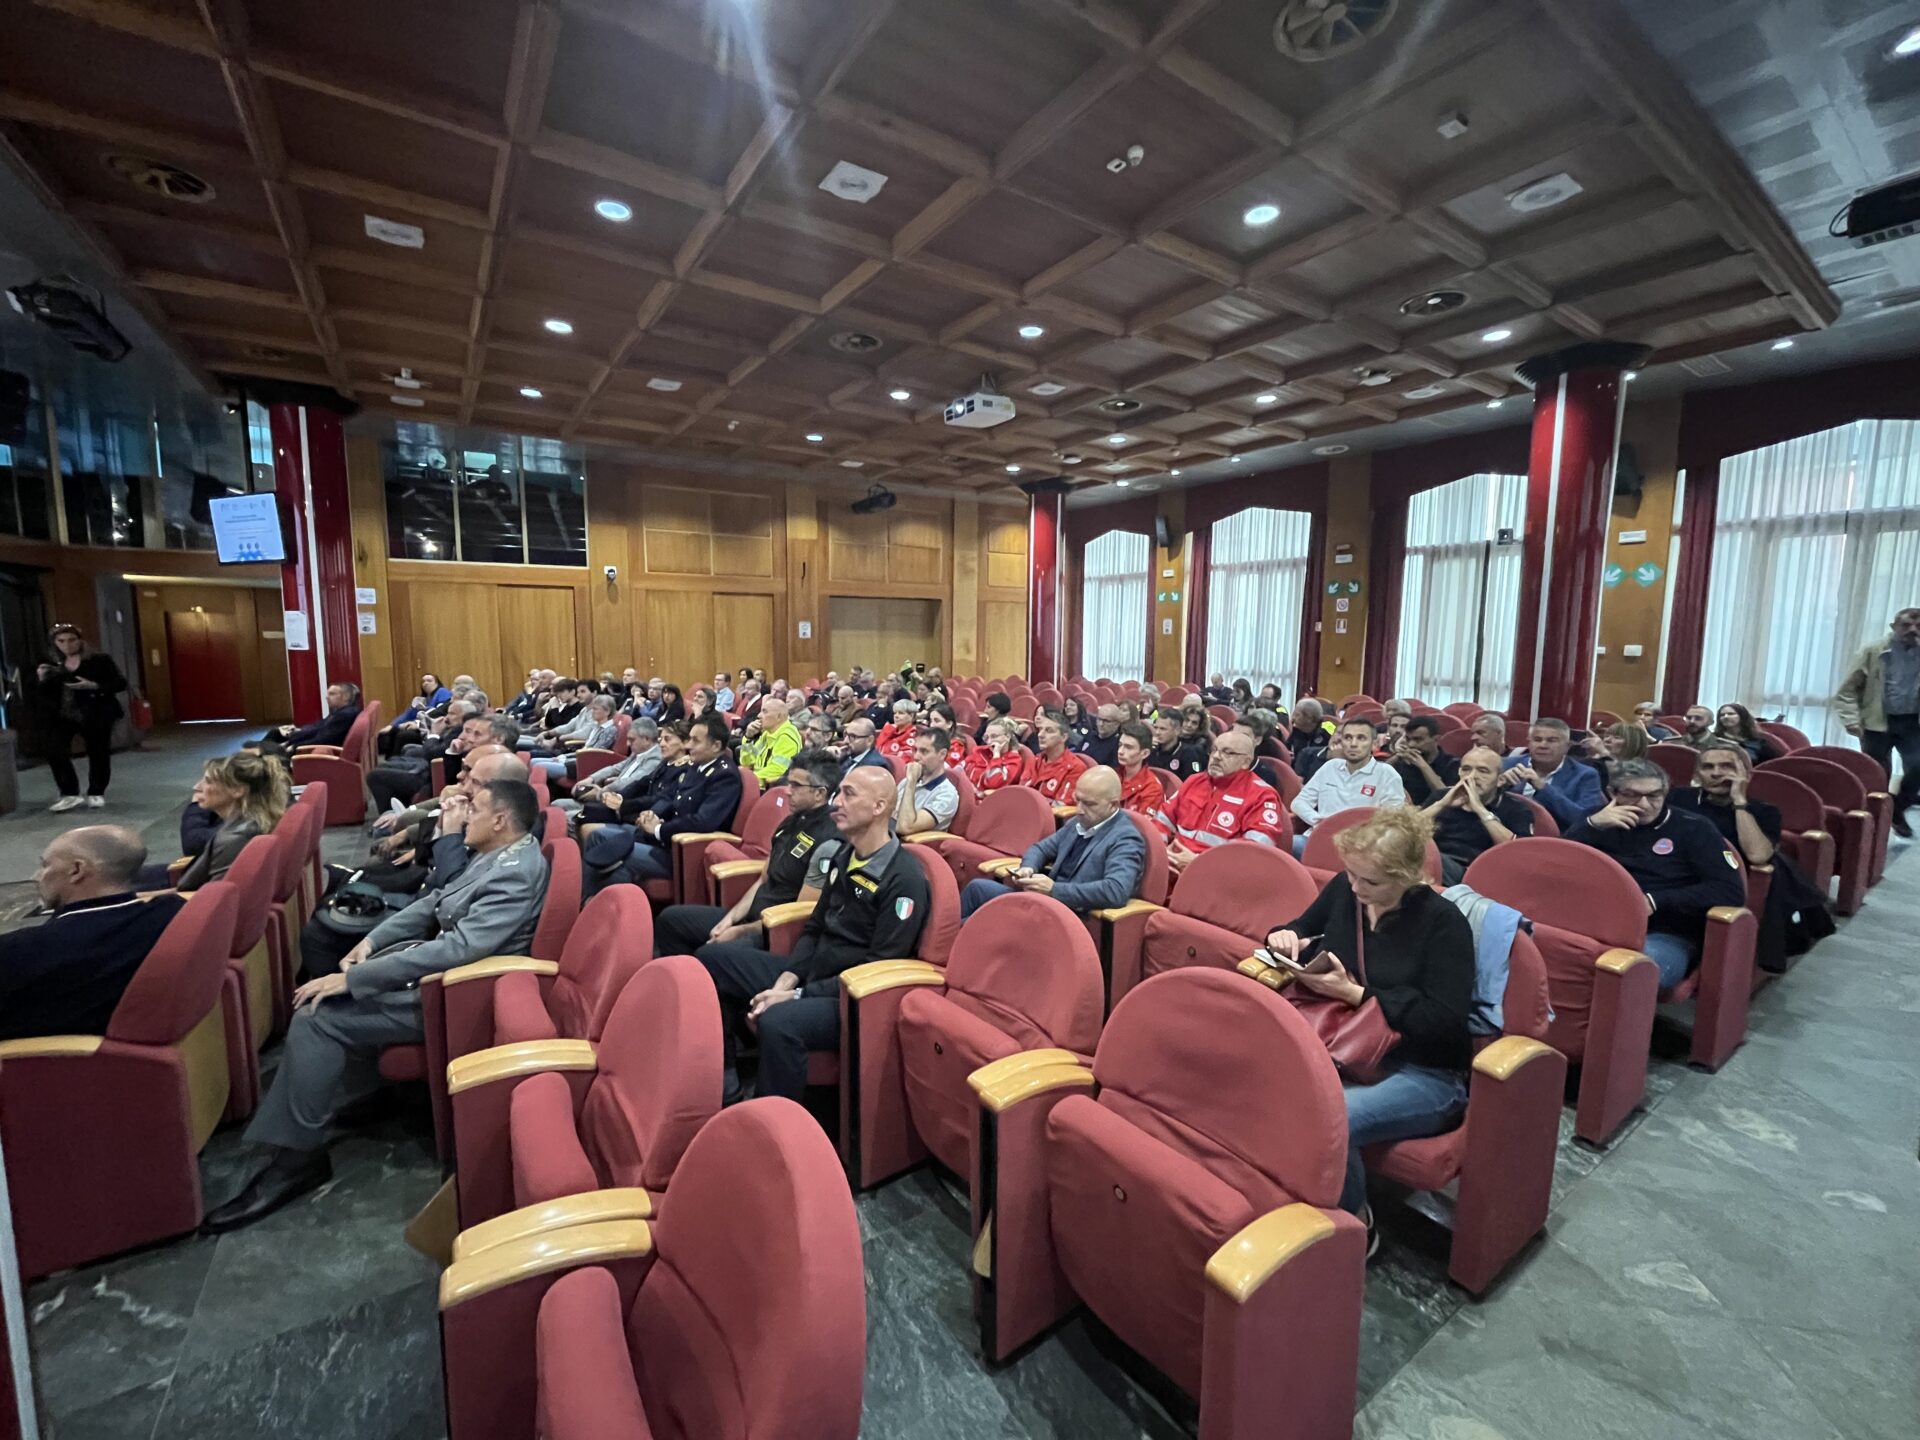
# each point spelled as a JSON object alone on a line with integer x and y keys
{"x": 797, "y": 857}
{"x": 873, "y": 907}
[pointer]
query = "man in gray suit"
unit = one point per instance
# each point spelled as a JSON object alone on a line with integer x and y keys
{"x": 343, "y": 1021}
{"x": 1093, "y": 862}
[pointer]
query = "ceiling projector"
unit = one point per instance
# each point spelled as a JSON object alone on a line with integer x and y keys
{"x": 982, "y": 410}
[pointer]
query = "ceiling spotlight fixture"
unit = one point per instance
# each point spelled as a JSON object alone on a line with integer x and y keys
{"x": 1070, "y": 459}
{"x": 1049, "y": 388}
{"x": 815, "y": 439}
{"x": 1495, "y": 336}
{"x": 617, "y": 211}
{"x": 1788, "y": 344}
{"x": 1452, "y": 125}
{"x": 1118, "y": 405}
{"x": 1123, "y": 484}
{"x": 558, "y": 326}
{"x": 852, "y": 464}
{"x": 1631, "y": 375}
{"x": 1032, "y": 332}
{"x": 1495, "y": 404}
{"x": 1909, "y": 43}
{"x": 1013, "y": 469}
{"x": 1330, "y": 449}
{"x": 410, "y": 401}
{"x": 1266, "y": 399}
{"x": 901, "y": 395}
{"x": 1434, "y": 302}
{"x": 1116, "y": 439}
{"x": 854, "y": 342}
{"x": 1544, "y": 193}
{"x": 530, "y": 392}
{"x": 660, "y": 382}
{"x": 1233, "y": 459}
{"x": 1173, "y": 472}
{"x": 1260, "y": 215}
{"x": 1426, "y": 392}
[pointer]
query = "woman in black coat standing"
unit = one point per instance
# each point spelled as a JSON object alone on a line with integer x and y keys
{"x": 79, "y": 690}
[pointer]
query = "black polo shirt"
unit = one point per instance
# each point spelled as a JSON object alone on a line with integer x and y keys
{"x": 798, "y": 855}
{"x": 872, "y": 909}
{"x": 65, "y": 977}
{"x": 1461, "y": 836}
{"x": 1419, "y": 791}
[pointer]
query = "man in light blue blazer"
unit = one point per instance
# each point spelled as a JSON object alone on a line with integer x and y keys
{"x": 1093, "y": 862}
{"x": 1568, "y": 788}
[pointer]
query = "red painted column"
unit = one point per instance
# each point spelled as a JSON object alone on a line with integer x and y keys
{"x": 1577, "y": 400}
{"x": 316, "y": 581}
{"x": 1044, "y": 532}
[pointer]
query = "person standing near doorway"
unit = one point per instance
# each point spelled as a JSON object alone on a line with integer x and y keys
{"x": 78, "y": 691}
{"x": 1879, "y": 701}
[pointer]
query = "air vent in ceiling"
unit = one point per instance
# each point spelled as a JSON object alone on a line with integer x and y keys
{"x": 157, "y": 177}
{"x": 1309, "y": 30}
{"x": 1434, "y": 302}
{"x": 1706, "y": 365}
{"x": 1118, "y": 405}
{"x": 855, "y": 342}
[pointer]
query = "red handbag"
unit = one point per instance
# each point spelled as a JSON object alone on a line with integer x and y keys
{"x": 1358, "y": 1037}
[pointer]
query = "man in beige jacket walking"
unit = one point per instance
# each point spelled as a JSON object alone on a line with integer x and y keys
{"x": 1879, "y": 701}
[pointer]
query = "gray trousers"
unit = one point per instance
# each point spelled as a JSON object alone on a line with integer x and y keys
{"x": 332, "y": 1060}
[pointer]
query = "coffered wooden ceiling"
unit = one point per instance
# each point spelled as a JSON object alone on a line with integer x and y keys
{"x": 496, "y": 125}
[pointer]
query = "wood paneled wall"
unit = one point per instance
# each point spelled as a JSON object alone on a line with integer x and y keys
{"x": 1632, "y": 613}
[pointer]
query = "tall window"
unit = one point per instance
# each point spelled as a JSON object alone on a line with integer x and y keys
{"x": 1113, "y": 606}
{"x": 509, "y": 500}
{"x": 1816, "y": 543}
{"x": 1460, "y": 591}
{"x": 1256, "y": 578}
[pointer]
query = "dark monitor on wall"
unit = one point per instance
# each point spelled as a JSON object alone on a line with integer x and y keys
{"x": 246, "y": 529}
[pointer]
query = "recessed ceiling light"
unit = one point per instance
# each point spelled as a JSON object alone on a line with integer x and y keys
{"x": 395, "y": 232}
{"x": 1123, "y": 484}
{"x": 815, "y": 439}
{"x": 1261, "y": 215}
{"x": 617, "y": 211}
{"x": 1173, "y": 472}
{"x": 1908, "y": 43}
{"x": 1426, "y": 392}
{"x": 559, "y": 327}
{"x": 1434, "y": 302}
{"x": 1265, "y": 399}
{"x": 1013, "y": 469}
{"x": 530, "y": 392}
{"x": 852, "y": 464}
{"x": 1070, "y": 459}
{"x": 1032, "y": 332}
{"x": 1632, "y": 375}
{"x": 853, "y": 182}
{"x": 660, "y": 382}
{"x": 1116, "y": 439}
{"x": 1049, "y": 388}
{"x": 1544, "y": 193}
{"x": 1495, "y": 404}
{"x": 1233, "y": 459}
{"x": 1788, "y": 344}
{"x": 1494, "y": 337}
{"x": 410, "y": 401}
{"x": 901, "y": 395}
{"x": 1330, "y": 449}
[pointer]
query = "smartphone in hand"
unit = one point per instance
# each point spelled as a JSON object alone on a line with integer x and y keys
{"x": 1316, "y": 964}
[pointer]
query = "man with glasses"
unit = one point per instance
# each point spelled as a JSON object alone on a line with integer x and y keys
{"x": 797, "y": 856}
{"x": 1678, "y": 860}
{"x": 1228, "y": 802}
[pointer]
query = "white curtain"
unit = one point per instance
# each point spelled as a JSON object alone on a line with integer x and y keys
{"x": 1816, "y": 543}
{"x": 1460, "y": 592}
{"x": 1256, "y": 573}
{"x": 1113, "y": 606}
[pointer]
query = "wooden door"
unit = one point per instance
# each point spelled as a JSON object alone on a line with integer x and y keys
{"x": 883, "y": 633}
{"x": 536, "y": 628}
{"x": 742, "y": 634}
{"x": 1005, "y": 650}
{"x": 203, "y": 657}
{"x": 454, "y": 629}
{"x": 675, "y": 637}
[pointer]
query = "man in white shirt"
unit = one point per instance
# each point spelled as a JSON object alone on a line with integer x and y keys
{"x": 1352, "y": 779}
{"x": 927, "y": 800}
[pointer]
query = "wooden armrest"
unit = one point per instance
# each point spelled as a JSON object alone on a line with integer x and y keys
{"x": 925, "y": 835}
{"x": 1505, "y": 1057}
{"x": 1004, "y": 865}
{"x": 1065, "y": 812}
{"x": 1621, "y": 961}
{"x": 785, "y": 914}
{"x": 50, "y": 1047}
{"x": 495, "y": 965}
{"x": 175, "y": 868}
{"x": 1271, "y": 976}
{"x": 1246, "y": 1262}
{"x": 333, "y": 750}
{"x": 542, "y": 1254}
{"x": 728, "y": 869}
{"x": 1727, "y": 914}
{"x": 995, "y": 1071}
{"x": 624, "y": 1203}
{"x": 861, "y": 981}
{"x": 1010, "y": 1090}
{"x": 1816, "y": 836}
{"x": 509, "y": 1062}
{"x": 1132, "y": 907}
{"x": 690, "y": 836}
{"x": 1879, "y": 795}
{"x": 154, "y": 894}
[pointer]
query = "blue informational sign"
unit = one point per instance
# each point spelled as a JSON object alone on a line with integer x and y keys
{"x": 246, "y": 529}
{"x": 1648, "y": 575}
{"x": 1612, "y": 576}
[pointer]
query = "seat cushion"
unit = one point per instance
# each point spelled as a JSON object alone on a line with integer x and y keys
{"x": 940, "y": 1045}
{"x": 1134, "y": 1224}
{"x": 1176, "y": 940}
{"x": 548, "y": 1160}
{"x": 1429, "y": 1163}
{"x": 400, "y": 1064}
{"x": 520, "y": 1012}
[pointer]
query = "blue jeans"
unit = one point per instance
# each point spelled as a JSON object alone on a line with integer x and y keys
{"x": 1300, "y": 845}
{"x": 978, "y": 893}
{"x": 1411, "y": 1101}
{"x": 557, "y": 769}
{"x": 1673, "y": 955}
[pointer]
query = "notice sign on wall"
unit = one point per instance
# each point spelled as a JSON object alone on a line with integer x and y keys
{"x": 295, "y": 624}
{"x": 369, "y": 623}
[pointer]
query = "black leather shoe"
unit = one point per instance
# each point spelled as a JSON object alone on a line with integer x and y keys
{"x": 291, "y": 1174}
{"x": 1901, "y": 827}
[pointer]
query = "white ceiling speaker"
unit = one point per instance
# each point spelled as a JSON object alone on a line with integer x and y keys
{"x": 853, "y": 182}
{"x": 1544, "y": 193}
{"x": 157, "y": 177}
{"x": 1310, "y": 30}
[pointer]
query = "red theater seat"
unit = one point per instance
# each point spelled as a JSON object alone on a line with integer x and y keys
{"x": 740, "y": 1314}
{"x": 1544, "y": 825}
{"x": 1182, "y": 1188}
{"x": 1790, "y": 738}
{"x": 247, "y": 993}
{"x": 1022, "y": 975}
{"x": 687, "y": 885}
{"x": 1872, "y": 775}
{"x": 1849, "y": 821}
{"x": 343, "y": 768}
{"x": 1004, "y": 823}
{"x": 292, "y": 896}
{"x": 1803, "y": 824}
{"x": 726, "y": 866}
{"x": 103, "y": 1132}
{"x": 1676, "y": 760}
{"x": 538, "y": 1120}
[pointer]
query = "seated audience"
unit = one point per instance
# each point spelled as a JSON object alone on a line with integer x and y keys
{"x": 872, "y": 906}
{"x": 664, "y": 781}
{"x": 1426, "y": 771}
{"x": 1140, "y": 789}
{"x": 1174, "y": 749}
{"x": 820, "y": 731}
{"x": 610, "y": 785}
{"x": 673, "y": 705}
{"x": 895, "y": 740}
{"x": 1623, "y": 741}
{"x": 1354, "y": 779}
{"x": 1240, "y": 696}
{"x": 525, "y": 706}
{"x": 1700, "y": 732}
{"x": 1734, "y": 723}
{"x": 1475, "y": 813}
{"x": 1264, "y": 726}
{"x": 797, "y": 857}
{"x": 747, "y": 700}
{"x": 1643, "y": 716}
{"x": 1093, "y": 862}
{"x": 570, "y": 732}
{"x": 1078, "y": 721}
{"x": 723, "y": 691}
{"x": 1392, "y": 939}
{"x": 593, "y": 729}
{"x": 928, "y": 798}
{"x": 1490, "y": 729}
{"x": 1676, "y": 859}
{"x": 770, "y": 742}
{"x": 247, "y": 793}
{"x": 343, "y": 708}
{"x": 954, "y": 746}
{"x": 66, "y": 975}
{"x": 997, "y": 707}
{"x": 1001, "y": 759}
{"x": 859, "y": 745}
{"x": 456, "y": 733}
{"x": 1311, "y": 739}
{"x": 1055, "y": 769}
{"x": 564, "y": 701}
{"x": 1225, "y": 802}
{"x": 1567, "y": 788}
{"x": 343, "y": 1021}
{"x": 1215, "y": 691}
{"x": 410, "y": 724}
{"x": 704, "y": 796}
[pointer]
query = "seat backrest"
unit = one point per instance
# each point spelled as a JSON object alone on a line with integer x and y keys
{"x": 1225, "y": 714}
{"x": 1457, "y": 742}
{"x": 1462, "y": 710}
{"x": 562, "y": 904}
{"x": 610, "y": 939}
{"x": 622, "y": 728}
{"x": 1224, "y": 1071}
{"x": 1602, "y": 718}
{"x": 1008, "y": 820}
{"x": 1678, "y": 761}
{"x": 253, "y": 875}
{"x": 1361, "y": 698}
{"x": 1834, "y": 784}
{"x": 1169, "y": 782}
{"x": 943, "y": 906}
{"x": 1156, "y": 878}
{"x": 290, "y": 854}
{"x": 1026, "y": 965}
{"x": 353, "y": 748}
{"x": 1544, "y": 824}
{"x": 1244, "y": 887}
{"x": 1024, "y": 707}
{"x": 660, "y": 1072}
{"x": 179, "y": 981}
{"x": 1863, "y": 767}
{"x": 969, "y": 801}
{"x": 1047, "y": 694}
{"x": 1322, "y": 854}
{"x": 1800, "y": 808}
{"x": 1790, "y": 737}
{"x": 1517, "y": 732}
{"x": 1443, "y": 723}
{"x": 733, "y": 1341}
{"x": 749, "y": 797}
{"x": 756, "y": 840}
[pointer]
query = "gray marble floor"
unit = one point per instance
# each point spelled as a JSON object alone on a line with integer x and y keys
{"x": 1731, "y": 1265}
